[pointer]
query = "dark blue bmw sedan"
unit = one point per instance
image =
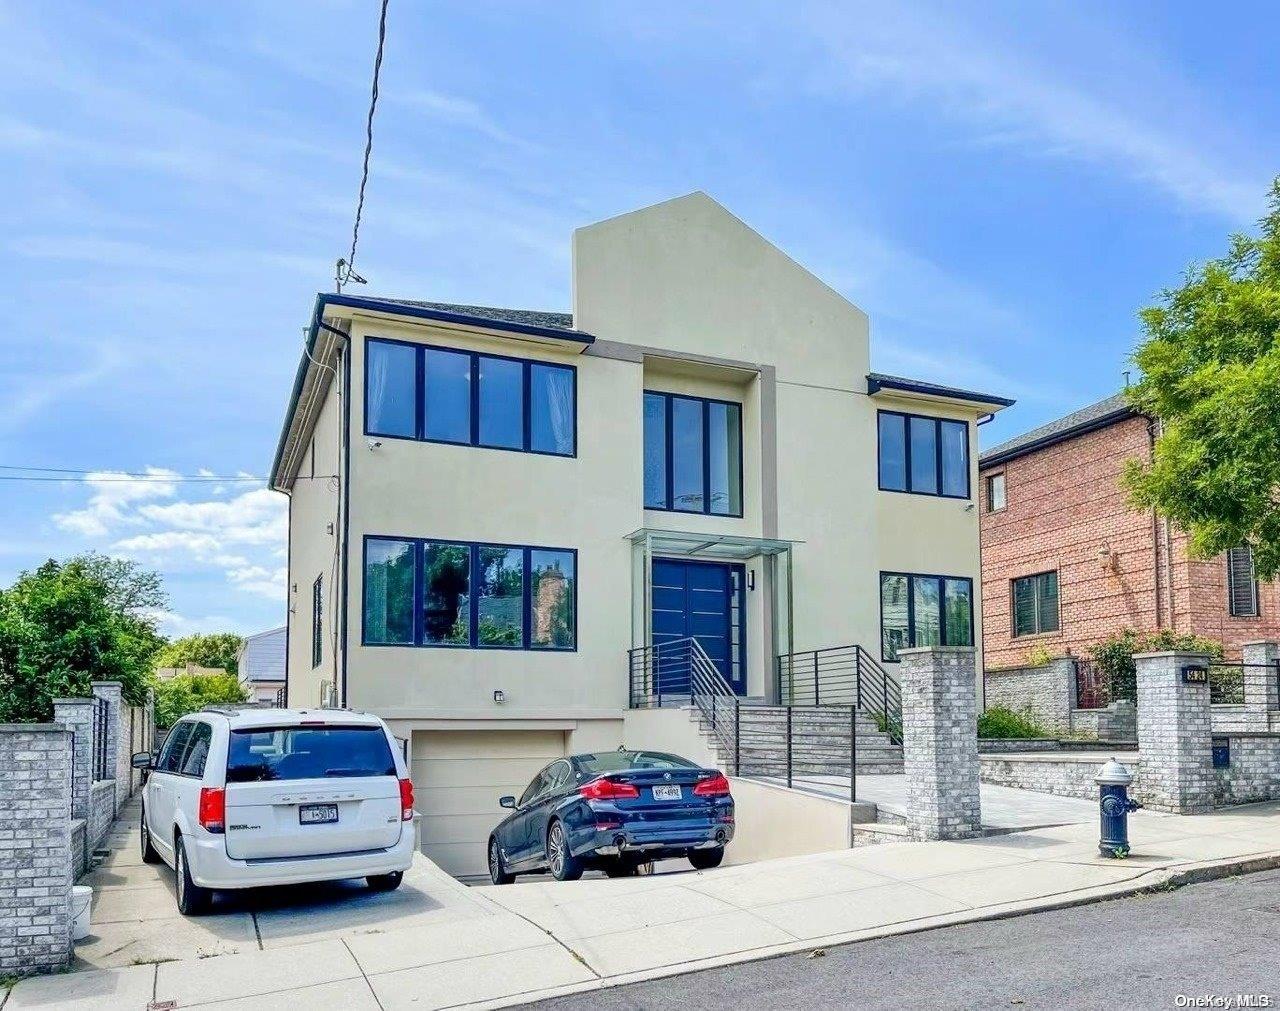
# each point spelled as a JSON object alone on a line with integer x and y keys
{"x": 613, "y": 810}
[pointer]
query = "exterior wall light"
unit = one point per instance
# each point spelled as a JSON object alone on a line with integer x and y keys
{"x": 499, "y": 696}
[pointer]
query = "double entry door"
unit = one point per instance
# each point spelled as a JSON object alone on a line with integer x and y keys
{"x": 698, "y": 600}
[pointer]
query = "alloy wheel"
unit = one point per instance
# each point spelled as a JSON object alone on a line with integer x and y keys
{"x": 555, "y": 846}
{"x": 495, "y": 868}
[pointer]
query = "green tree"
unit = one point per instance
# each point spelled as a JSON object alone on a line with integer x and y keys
{"x": 64, "y": 626}
{"x": 1114, "y": 655}
{"x": 217, "y": 650}
{"x": 187, "y": 693}
{"x": 1211, "y": 373}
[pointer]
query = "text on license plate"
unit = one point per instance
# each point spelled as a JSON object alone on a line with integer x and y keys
{"x": 666, "y": 793}
{"x": 317, "y": 814}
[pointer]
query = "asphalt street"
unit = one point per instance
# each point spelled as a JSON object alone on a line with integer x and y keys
{"x": 1216, "y": 939}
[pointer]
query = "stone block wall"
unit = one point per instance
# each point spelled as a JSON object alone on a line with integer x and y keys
{"x": 1047, "y": 691}
{"x": 77, "y": 716}
{"x": 102, "y": 810}
{"x": 1254, "y": 772}
{"x": 110, "y": 691}
{"x": 35, "y": 857}
{"x": 1062, "y": 775}
{"x": 1118, "y": 722}
{"x": 1174, "y": 734}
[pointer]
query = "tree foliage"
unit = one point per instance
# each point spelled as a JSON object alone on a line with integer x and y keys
{"x": 1114, "y": 655}
{"x": 1211, "y": 373}
{"x": 67, "y": 624}
{"x": 187, "y": 693}
{"x": 217, "y": 650}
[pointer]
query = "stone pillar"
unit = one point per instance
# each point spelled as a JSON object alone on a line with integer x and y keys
{"x": 940, "y": 741}
{"x": 1261, "y": 683}
{"x": 35, "y": 855}
{"x": 1174, "y": 736}
{"x": 110, "y": 690}
{"x": 77, "y": 716}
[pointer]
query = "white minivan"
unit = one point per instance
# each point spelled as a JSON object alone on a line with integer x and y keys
{"x": 241, "y": 798}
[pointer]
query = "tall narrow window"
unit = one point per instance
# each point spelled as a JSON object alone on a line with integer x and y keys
{"x": 551, "y": 422}
{"x": 552, "y": 606}
{"x": 692, "y": 454}
{"x": 389, "y": 390}
{"x": 446, "y": 594}
{"x": 995, "y": 492}
{"x": 920, "y": 610}
{"x": 893, "y": 452}
{"x": 500, "y": 597}
{"x": 388, "y": 592}
{"x": 1035, "y": 604}
{"x": 501, "y": 403}
{"x": 922, "y": 455}
{"x": 955, "y": 458}
{"x": 446, "y": 395}
{"x": 317, "y": 621}
{"x": 1242, "y": 585}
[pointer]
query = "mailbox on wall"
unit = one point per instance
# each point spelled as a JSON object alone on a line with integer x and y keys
{"x": 1221, "y": 752}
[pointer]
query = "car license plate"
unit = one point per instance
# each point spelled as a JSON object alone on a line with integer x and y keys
{"x": 666, "y": 793}
{"x": 317, "y": 814}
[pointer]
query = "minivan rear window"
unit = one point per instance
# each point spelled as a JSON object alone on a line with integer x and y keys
{"x": 265, "y": 754}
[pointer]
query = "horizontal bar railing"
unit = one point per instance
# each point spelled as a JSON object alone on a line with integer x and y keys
{"x": 1231, "y": 683}
{"x": 842, "y": 676}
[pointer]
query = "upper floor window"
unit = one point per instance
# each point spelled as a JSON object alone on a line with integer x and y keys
{"x": 995, "y": 492}
{"x": 463, "y": 594}
{"x": 692, "y": 454}
{"x": 1242, "y": 585}
{"x": 925, "y": 456}
{"x": 918, "y": 610}
{"x": 441, "y": 395}
{"x": 1035, "y": 604}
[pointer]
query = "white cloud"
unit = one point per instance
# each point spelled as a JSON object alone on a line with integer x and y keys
{"x": 175, "y": 625}
{"x": 115, "y": 499}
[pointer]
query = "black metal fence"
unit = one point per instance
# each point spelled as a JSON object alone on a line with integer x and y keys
{"x": 1231, "y": 683}
{"x": 1094, "y": 687}
{"x": 842, "y": 676}
{"x": 100, "y": 767}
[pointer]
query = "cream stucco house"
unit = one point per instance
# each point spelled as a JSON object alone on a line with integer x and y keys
{"x": 489, "y": 507}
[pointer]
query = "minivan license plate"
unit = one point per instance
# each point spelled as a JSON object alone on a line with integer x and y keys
{"x": 317, "y": 814}
{"x": 666, "y": 793}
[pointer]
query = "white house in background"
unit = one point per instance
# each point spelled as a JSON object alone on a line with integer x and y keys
{"x": 488, "y": 507}
{"x": 261, "y": 664}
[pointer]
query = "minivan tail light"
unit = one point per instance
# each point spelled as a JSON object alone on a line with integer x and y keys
{"x": 213, "y": 808}
{"x": 406, "y": 800}
{"x": 607, "y": 789}
{"x": 716, "y": 786}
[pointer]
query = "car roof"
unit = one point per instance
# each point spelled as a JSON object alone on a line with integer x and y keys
{"x": 255, "y": 716}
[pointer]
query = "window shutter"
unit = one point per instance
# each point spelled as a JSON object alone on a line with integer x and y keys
{"x": 1242, "y": 588}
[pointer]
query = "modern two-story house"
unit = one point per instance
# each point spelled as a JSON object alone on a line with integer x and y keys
{"x": 490, "y": 507}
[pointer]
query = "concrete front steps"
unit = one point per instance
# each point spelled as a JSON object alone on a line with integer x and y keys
{"x": 819, "y": 742}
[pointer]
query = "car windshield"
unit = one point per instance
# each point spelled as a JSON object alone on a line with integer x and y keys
{"x": 621, "y": 761}
{"x": 284, "y": 753}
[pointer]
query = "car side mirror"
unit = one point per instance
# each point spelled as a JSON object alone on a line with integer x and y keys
{"x": 141, "y": 760}
{"x": 507, "y": 802}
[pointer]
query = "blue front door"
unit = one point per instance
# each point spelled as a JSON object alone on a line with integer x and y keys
{"x": 704, "y": 601}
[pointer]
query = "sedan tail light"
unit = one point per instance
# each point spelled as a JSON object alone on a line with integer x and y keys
{"x": 716, "y": 786}
{"x": 406, "y": 800}
{"x": 607, "y": 789}
{"x": 213, "y": 809}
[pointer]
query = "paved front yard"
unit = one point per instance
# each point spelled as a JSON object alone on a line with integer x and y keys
{"x": 435, "y": 943}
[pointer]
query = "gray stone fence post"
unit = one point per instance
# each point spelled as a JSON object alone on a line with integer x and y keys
{"x": 110, "y": 690}
{"x": 1261, "y": 684}
{"x": 1174, "y": 736}
{"x": 77, "y": 716}
{"x": 35, "y": 851}
{"x": 940, "y": 741}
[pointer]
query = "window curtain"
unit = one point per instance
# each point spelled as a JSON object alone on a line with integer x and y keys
{"x": 379, "y": 369}
{"x": 560, "y": 408}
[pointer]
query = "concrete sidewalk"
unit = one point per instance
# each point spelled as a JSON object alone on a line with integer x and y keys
{"x": 490, "y": 947}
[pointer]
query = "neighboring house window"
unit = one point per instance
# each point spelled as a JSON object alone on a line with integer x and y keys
{"x": 317, "y": 621}
{"x": 1242, "y": 585}
{"x": 692, "y": 454}
{"x": 924, "y": 456}
{"x": 440, "y": 395}
{"x": 995, "y": 493}
{"x": 1035, "y": 604}
{"x": 919, "y": 610}
{"x": 469, "y": 595}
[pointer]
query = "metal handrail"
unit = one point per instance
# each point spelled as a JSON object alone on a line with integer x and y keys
{"x": 842, "y": 676}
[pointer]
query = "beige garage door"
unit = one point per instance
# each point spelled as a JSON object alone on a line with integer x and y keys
{"x": 458, "y": 776}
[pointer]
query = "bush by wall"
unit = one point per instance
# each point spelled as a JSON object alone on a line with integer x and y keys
{"x": 1114, "y": 656}
{"x": 1001, "y": 722}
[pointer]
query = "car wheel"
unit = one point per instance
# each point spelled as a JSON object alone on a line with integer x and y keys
{"x": 704, "y": 860}
{"x": 192, "y": 899}
{"x": 620, "y": 868}
{"x": 564, "y": 866}
{"x": 497, "y": 871}
{"x": 149, "y": 854}
{"x": 384, "y": 882}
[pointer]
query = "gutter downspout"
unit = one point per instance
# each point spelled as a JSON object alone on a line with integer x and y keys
{"x": 1155, "y": 528}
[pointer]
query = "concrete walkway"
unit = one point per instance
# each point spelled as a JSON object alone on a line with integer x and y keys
{"x": 436, "y": 944}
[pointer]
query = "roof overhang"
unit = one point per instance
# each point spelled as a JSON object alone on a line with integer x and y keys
{"x": 913, "y": 389}
{"x": 729, "y": 547}
{"x": 1054, "y": 438}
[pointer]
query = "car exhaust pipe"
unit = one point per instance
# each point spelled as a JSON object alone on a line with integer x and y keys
{"x": 720, "y": 836}
{"x": 620, "y": 841}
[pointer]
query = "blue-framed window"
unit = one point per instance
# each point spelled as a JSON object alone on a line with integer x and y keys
{"x": 692, "y": 454}
{"x": 922, "y": 455}
{"x": 436, "y": 394}
{"x": 317, "y": 621}
{"x": 469, "y": 595}
{"x": 924, "y": 610}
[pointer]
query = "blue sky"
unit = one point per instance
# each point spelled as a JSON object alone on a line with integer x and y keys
{"x": 1000, "y": 186}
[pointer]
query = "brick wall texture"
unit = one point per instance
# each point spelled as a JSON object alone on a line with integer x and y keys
{"x": 1174, "y": 735}
{"x": 1064, "y": 502}
{"x": 35, "y": 848}
{"x": 1047, "y": 692}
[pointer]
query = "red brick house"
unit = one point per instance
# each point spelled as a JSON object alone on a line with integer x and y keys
{"x": 1066, "y": 561}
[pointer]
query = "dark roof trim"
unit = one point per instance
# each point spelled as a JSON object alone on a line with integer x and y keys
{"x": 399, "y": 309}
{"x": 877, "y": 381}
{"x": 998, "y": 455}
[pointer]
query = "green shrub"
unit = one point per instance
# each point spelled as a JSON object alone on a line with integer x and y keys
{"x": 1002, "y": 722}
{"x": 1114, "y": 656}
{"x": 1039, "y": 656}
{"x": 188, "y": 693}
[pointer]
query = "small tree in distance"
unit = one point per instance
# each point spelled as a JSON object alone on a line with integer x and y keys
{"x": 217, "y": 650}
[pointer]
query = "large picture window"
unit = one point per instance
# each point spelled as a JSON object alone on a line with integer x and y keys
{"x": 1035, "y": 604}
{"x": 923, "y": 456}
{"x": 920, "y": 610}
{"x": 692, "y": 454}
{"x": 469, "y": 595}
{"x": 441, "y": 395}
